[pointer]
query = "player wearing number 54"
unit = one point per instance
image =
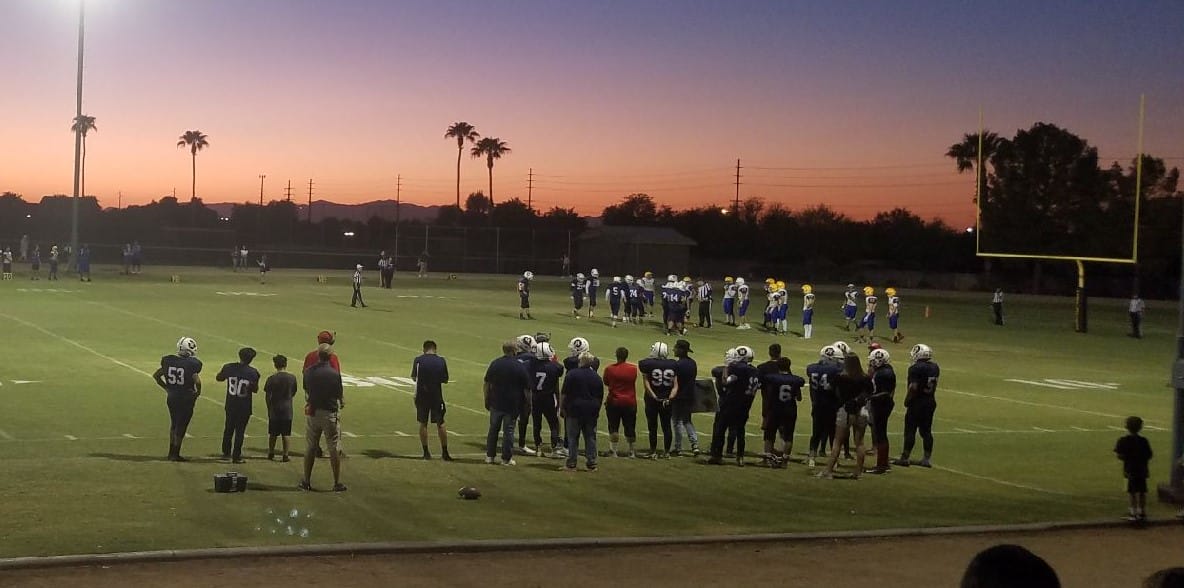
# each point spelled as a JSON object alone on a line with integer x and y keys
{"x": 242, "y": 381}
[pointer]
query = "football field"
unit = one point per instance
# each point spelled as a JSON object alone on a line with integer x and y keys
{"x": 1026, "y": 423}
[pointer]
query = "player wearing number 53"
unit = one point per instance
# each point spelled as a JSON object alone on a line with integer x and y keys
{"x": 242, "y": 381}
{"x": 178, "y": 376}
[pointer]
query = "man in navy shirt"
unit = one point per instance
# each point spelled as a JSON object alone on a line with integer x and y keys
{"x": 685, "y": 370}
{"x": 242, "y": 381}
{"x": 506, "y": 385}
{"x": 430, "y": 373}
{"x": 178, "y": 376}
{"x": 583, "y": 392}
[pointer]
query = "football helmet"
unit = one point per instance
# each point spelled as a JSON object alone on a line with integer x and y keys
{"x": 921, "y": 352}
{"x": 671, "y": 278}
{"x": 745, "y": 353}
{"x": 659, "y": 350}
{"x": 878, "y": 357}
{"x": 869, "y": 291}
{"x": 730, "y": 356}
{"x": 648, "y": 274}
{"x": 850, "y": 286}
{"x": 728, "y": 280}
{"x": 359, "y": 267}
{"x": 525, "y": 342}
{"x": 770, "y": 281}
{"x": 595, "y": 273}
{"x": 807, "y": 289}
{"x": 628, "y": 279}
{"x": 579, "y": 276}
{"x": 186, "y": 347}
{"x": 739, "y": 281}
{"x": 616, "y": 279}
{"x": 578, "y": 345}
{"x": 830, "y": 353}
{"x": 843, "y": 347}
{"x": 543, "y": 350}
{"x": 779, "y": 285}
{"x": 528, "y": 275}
{"x": 890, "y": 291}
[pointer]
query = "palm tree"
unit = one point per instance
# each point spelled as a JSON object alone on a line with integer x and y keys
{"x": 83, "y": 124}
{"x": 195, "y": 141}
{"x": 490, "y": 148}
{"x": 461, "y": 131}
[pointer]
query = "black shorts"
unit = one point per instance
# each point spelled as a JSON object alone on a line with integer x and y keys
{"x": 1136, "y": 485}
{"x": 525, "y": 301}
{"x": 429, "y": 410}
{"x": 622, "y": 414}
{"x": 279, "y": 427}
{"x": 180, "y": 411}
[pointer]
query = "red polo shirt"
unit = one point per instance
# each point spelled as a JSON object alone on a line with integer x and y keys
{"x": 621, "y": 379}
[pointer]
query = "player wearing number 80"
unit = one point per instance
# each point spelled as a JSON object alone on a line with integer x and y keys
{"x": 178, "y": 376}
{"x": 661, "y": 387}
{"x": 242, "y": 381}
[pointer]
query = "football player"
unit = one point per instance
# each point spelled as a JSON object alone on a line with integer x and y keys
{"x": 850, "y": 305}
{"x": 242, "y": 382}
{"x": 614, "y": 294}
{"x": 781, "y": 296}
{"x": 894, "y": 314}
{"x": 717, "y": 377}
{"x": 823, "y": 406}
{"x": 524, "y": 295}
{"x": 635, "y": 301}
{"x": 178, "y": 375}
{"x": 593, "y": 290}
{"x": 525, "y": 356}
{"x": 807, "y": 311}
{"x": 729, "y": 301}
{"x": 664, "y": 295}
{"x": 881, "y": 405}
{"x": 6, "y": 260}
{"x": 782, "y": 391}
{"x": 647, "y": 290}
{"x": 544, "y": 375}
{"x": 866, "y": 329}
{"x": 577, "y": 346}
{"x": 660, "y": 377}
{"x": 920, "y": 403}
{"x": 770, "y": 305}
{"x": 742, "y": 303}
{"x": 579, "y": 285}
{"x": 688, "y": 289}
{"x": 740, "y": 384}
{"x": 676, "y": 308}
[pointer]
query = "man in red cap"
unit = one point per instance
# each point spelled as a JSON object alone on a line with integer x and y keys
{"x": 324, "y": 338}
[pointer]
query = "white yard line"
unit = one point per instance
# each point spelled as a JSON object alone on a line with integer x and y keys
{"x": 1045, "y": 384}
{"x": 1003, "y": 482}
{"x": 4, "y": 435}
{"x": 1039, "y": 404}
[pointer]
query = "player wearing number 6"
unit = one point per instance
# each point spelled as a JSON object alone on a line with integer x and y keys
{"x": 659, "y": 373}
{"x": 242, "y": 381}
{"x": 178, "y": 376}
{"x": 783, "y": 391}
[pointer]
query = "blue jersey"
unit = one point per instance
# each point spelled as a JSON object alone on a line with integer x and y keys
{"x": 242, "y": 381}
{"x": 741, "y": 385}
{"x": 615, "y": 292}
{"x": 822, "y": 379}
{"x": 578, "y": 287}
{"x": 661, "y": 375}
{"x": 883, "y": 383}
{"x": 524, "y": 287}
{"x": 179, "y": 374}
{"x": 782, "y": 393}
{"x": 923, "y": 377}
{"x": 675, "y": 296}
{"x": 544, "y": 376}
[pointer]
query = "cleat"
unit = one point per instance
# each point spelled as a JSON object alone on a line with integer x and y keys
{"x": 902, "y": 462}
{"x": 810, "y": 462}
{"x": 339, "y": 487}
{"x": 715, "y": 461}
{"x": 925, "y": 463}
{"x": 489, "y": 460}
{"x": 511, "y": 462}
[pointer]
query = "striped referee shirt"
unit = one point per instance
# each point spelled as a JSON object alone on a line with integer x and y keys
{"x": 704, "y": 293}
{"x": 357, "y": 278}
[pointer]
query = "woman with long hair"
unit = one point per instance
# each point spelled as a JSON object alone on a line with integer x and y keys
{"x": 852, "y": 389}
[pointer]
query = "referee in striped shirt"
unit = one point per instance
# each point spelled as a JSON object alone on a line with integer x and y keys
{"x": 357, "y": 288}
{"x": 703, "y": 294}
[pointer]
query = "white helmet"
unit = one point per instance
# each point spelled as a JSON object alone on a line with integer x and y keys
{"x": 595, "y": 273}
{"x": 186, "y": 346}
{"x": 832, "y": 354}
{"x": 730, "y": 356}
{"x": 628, "y": 279}
{"x": 672, "y": 278}
{"x": 525, "y": 342}
{"x": 616, "y": 279}
{"x": 921, "y": 352}
{"x": 528, "y": 275}
{"x": 739, "y": 281}
{"x": 579, "y": 276}
{"x": 542, "y": 350}
{"x": 578, "y": 345}
{"x": 842, "y": 346}
{"x": 659, "y": 350}
{"x": 878, "y": 357}
{"x": 745, "y": 353}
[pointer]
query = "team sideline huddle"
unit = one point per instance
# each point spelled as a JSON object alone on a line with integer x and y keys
{"x": 631, "y": 299}
{"x": 531, "y": 385}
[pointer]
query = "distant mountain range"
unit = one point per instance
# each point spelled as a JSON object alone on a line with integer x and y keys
{"x": 322, "y": 209}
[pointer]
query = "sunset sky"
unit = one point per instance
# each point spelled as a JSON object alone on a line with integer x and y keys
{"x": 846, "y": 103}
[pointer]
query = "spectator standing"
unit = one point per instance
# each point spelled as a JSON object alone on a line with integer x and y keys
{"x": 582, "y": 393}
{"x": 620, "y": 407}
{"x": 506, "y": 385}
{"x": 1136, "y": 308}
{"x": 323, "y": 338}
{"x": 84, "y": 263}
{"x": 686, "y": 371}
{"x": 430, "y": 373}
{"x": 1135, "y": 453}
{"x": 279, "y": 390}
{"x": 242, "y": 381}
{"x": 322, "y": 384}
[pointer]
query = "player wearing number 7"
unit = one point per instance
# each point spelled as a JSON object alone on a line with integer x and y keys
{"x": 242, "y": 381}
{"x": 178, "y": 376}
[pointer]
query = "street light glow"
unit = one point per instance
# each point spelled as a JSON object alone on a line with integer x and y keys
{"x": 348, "y": 233}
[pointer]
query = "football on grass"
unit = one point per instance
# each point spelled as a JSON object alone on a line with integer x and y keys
{"x": 469, "y": 493}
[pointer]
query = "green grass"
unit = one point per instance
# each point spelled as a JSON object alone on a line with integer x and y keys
{"x": 75, "y": 482}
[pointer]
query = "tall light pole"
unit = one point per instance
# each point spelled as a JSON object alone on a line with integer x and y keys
{"x": 78, "y": 130}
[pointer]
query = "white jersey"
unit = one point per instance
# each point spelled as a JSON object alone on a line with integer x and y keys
{"x": 781, "y": 296}
{"x": 893, "y": 305}
{"x": 646, "y": 284}
{"x": 742, "y": 292}
{"x": 808, "y": 301}
{"x": 869, "y": 304}
{"x": 851, "y": 298}
{"x": 729, "y": 291}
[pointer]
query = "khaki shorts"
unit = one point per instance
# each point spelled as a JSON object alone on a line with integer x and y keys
{"x": 323, "y": 421}
{"x": 851, "y": 421}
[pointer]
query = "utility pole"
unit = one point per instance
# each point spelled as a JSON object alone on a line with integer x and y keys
{"x": 120, "y": 205}
{"x": 398, "y": 202}
{"x": 310, "y": 201}
{"x": 174, "y": 193}
{"x": 530, "y": 189}
{"x": 288, "y": 191}
{"x": 261, "y": 176}
{"x": 736, "y": 205}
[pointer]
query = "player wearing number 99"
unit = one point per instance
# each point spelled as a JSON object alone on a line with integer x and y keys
{"x": 242, "y": 381}
{"x": 741, "y": 381}
{"x": 178, "y": 376}
{"x": 661, "y": 387}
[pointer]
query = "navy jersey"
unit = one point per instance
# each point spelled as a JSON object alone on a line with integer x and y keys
{"x": 523, "y": 287}
{"x": 615, "y": 292}
{"x": 883, "y": 383}
{"x": 717, "y": 376}
{"x": 578, "y": 286}
{"x": 430, "y": 373}
{"x": 782, "y": 391}
{"x": 242, "y": 381}
{"x": 179, "y": 373}
{"x": 573, "y": 362}
{"x": 675, "y": 296}
{"x": 661, "y": 375}
{"x": 686, "y": 370}
{"x": 633, "y": 291}
{"x": 741, "y": 385}
{"x": 525, "y": 358}
{"x": 592, "y": 286}
{"x": 822, "y": 379}
{"x": 544, "y": 376}
{"x": 923, "y": 375}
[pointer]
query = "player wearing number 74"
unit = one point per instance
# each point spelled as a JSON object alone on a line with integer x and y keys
{"x": 242, "y": 381}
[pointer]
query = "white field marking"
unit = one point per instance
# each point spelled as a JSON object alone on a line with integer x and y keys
{"x": 48, "y": 290}
{"x": 1081, "y": 384}
{"x": 1038, "y": 383}
{"x": 1002, "y": 482}
{"x": 401, "y": 434}
{"x": 71, "y": 438}
{"x": 1082, "y": 429}
{"x": 1153, "y": 428}
{"x": 4, "y": 435}
{"x": 1043, "y": 430}
{"x": 242, "y": 294}
{"x": 1114, "y": 428}
{"x": 965, "y": 430}
{"x": 350, "y": 435}
{"x": 1040, "y": 404}
{"x": 188, "y": 436}
{"x": 26, "y": 381}
{"x": 455, "y": 434}
{"x": 968, "y": 424}
{"x": 130, "y": 436}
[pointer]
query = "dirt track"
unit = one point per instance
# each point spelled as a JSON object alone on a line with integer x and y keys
{"x": 1094, "y": 558}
